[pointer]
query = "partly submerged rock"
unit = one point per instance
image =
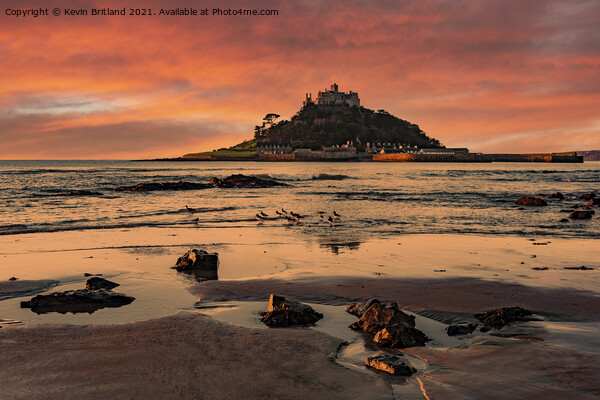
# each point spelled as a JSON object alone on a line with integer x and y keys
{"x": 244, "y": 181}
{"x": 557, "y": 195}
{"x": 203, "y": 265}
{"x": 154, "y": 186}
{"x": 75, "y": 301}
{"x": 390, "y": 363}
{"x": 96, "y": 283}
{"x": 500, "y": 317}
{"x": 400, "y": 336}
{"x": 460, "y": 329}
{"x": 379, "y": 316}
{"x": 359, "y": 308}
{"x": 531, "y": 201}
{"x": 392, "y": 327}
{"x": 587, "y": 196}
{"x": 581, "y": 214}
{"x": 283, "y": 313}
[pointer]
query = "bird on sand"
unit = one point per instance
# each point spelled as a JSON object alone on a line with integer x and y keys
{"x": 336, "y": 215}
{"x": 330, "y": 220}
{"x": 263, "y": 214}
{"x": 190, "y": 210}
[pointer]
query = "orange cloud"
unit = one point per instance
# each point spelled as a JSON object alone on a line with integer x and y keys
{"x": 494, "y": 76}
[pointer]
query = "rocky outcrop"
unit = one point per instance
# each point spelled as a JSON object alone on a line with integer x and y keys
{"x": 557, "y": 195}
{"x": 531, "y": 201}
{"x": 97, "y": 283}
{"x": 244, "y": 181}
{"x": 283, "y": 313}
{"x": 155, "y": 186}
{"x": 500, "y": 317}
{"x": 581, "y": 214}
{"x": 392, "y": 328}
{"x": 587, "y": 196}
{"x": 76, "y": 301}
{"x": 390, "y": 363}
{"x": 460, "y": 329}
{"x": 201, "y": 264}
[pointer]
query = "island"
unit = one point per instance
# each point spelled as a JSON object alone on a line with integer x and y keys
{"x": 335, "y": 127}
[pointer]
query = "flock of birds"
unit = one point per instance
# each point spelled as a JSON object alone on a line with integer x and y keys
{"x": 291, "y": 217}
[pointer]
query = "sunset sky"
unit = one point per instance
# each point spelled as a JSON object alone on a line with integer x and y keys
{"x": 493, "y": 76}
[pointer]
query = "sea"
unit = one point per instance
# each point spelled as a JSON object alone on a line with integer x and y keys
{"x": 372, "y": 199}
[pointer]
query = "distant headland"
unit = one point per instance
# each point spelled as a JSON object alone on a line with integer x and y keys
{"x": 335, "y": 127}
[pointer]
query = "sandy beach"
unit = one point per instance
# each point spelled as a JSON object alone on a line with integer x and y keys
{"x": 186, "y": 339}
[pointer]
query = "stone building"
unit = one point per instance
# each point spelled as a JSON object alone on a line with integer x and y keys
{"x": 273, "y": 148}
{"x": 334, "y": 97}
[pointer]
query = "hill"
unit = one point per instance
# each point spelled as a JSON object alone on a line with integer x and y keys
{"x": 315, "y": 125}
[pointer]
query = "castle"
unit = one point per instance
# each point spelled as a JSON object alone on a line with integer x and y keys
{"x": 334, "y": 97}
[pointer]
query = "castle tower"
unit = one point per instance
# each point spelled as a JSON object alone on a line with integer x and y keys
{"x": 334, "y": 88}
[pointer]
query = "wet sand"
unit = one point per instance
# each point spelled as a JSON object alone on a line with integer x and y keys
{"x": 189, "y": 355}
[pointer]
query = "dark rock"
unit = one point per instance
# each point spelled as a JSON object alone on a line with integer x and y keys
{"x": 566, "y": 210}
{"x": 202, "y": 264}
{"x": 12, "y": 278}
{"x": 500, "y": 317}
{"x": 96, "y": 283}
{"x": 587, "y": 196}
{"x": 75, "y": 301}
{"x": 540, "y": 268}
{"x": 378, "y": 317}
{"x": 564, "y": 220}
{"x": 557, "y": 195}
{"x": 154, "y": 186}
{"x": 390, "y": 363}
{"x": 581, "y": 214}
{"x": 531, "y": 201}
{"x": 400, "y": 336}
{"x": 283, "y": 313}
{"x": 391, "y": 327}
{"x": 244, "y": 181}
{"x": 359, "y": 308}
{"x": 460, "y": 329}
{"x": 594, "y": 202}
{"x": 582, "y": 268}
{"x": 87, "y": 274}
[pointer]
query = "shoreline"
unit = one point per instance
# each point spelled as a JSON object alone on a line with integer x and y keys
{"x": 164, "y": 345}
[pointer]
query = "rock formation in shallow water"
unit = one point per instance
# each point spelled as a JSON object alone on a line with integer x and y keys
{"x": 244, "y": 181}
{"x": 390, "y": 363}
{"x": 587, "y": 196}
{"x": 82, "y": 300}
{"x": 557, "y": 195}
{"x": 581, "y": 214}
{"x": 392, "y": 328}
{"x": 500, "y": 317}
{"x": 531, "y": 201}
{"x": 97, "y": 283}
{"x": 200, "y": 263}
{"x": 283, "y": 313}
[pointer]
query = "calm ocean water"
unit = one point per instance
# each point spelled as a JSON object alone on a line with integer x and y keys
{"x": 374, "y": 199}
